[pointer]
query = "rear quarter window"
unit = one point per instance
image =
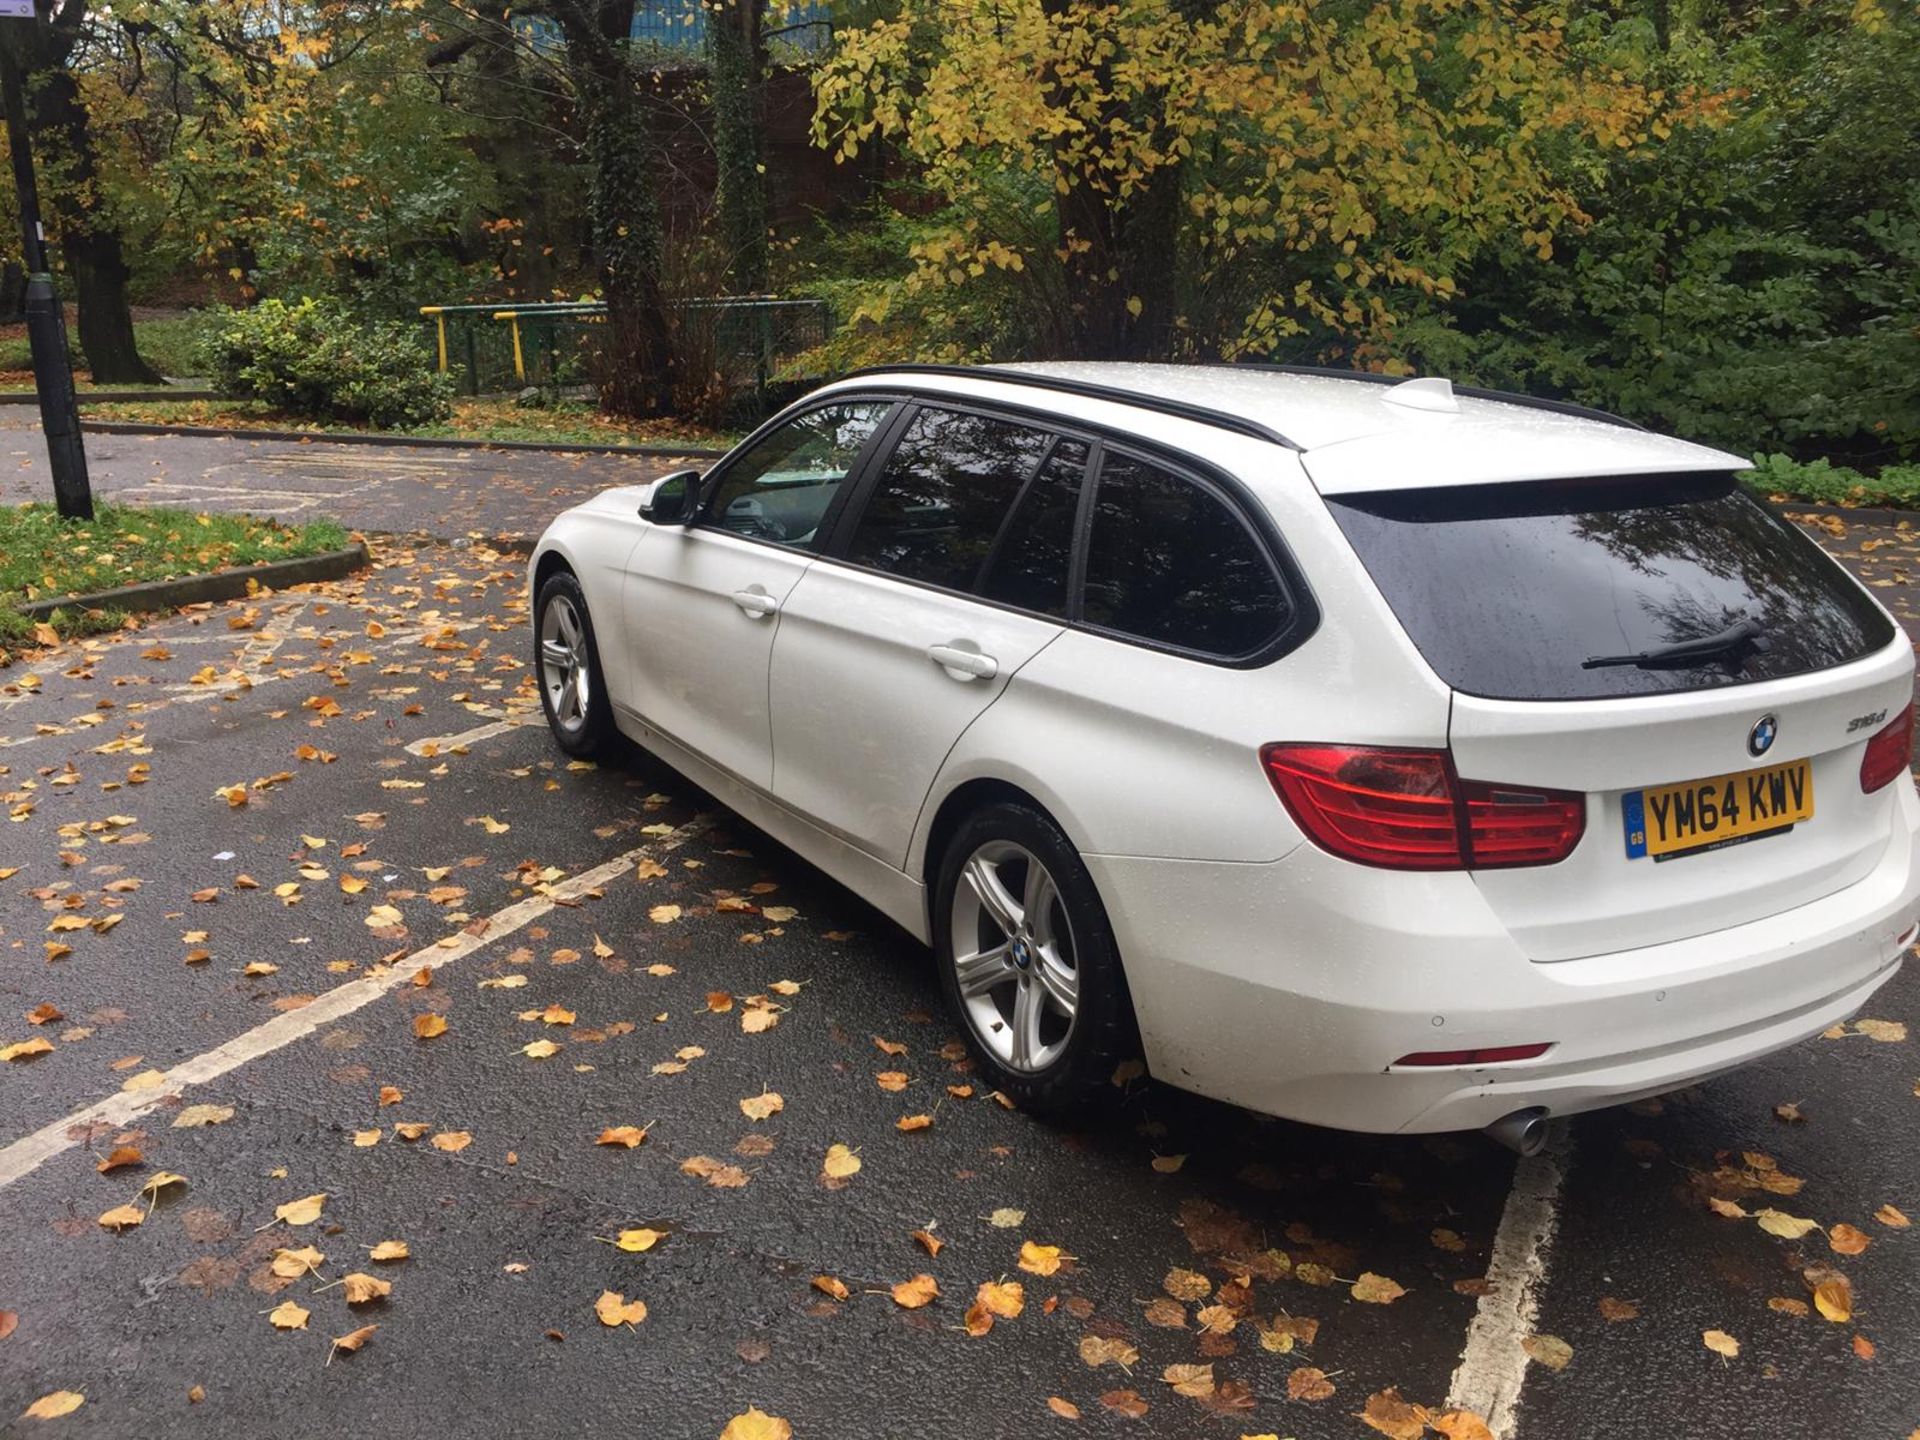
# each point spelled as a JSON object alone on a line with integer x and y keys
{"x": 1171, "y": 562}
{"x": 1512, "y": 591}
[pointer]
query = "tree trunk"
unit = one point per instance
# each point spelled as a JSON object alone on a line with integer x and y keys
{"x": 1122, "y": 271}
{"x": 63, "y": 142}
{"x": 736, "y": 73}
{"x": 100, "y": 276}
{"x": 623, "y": 210}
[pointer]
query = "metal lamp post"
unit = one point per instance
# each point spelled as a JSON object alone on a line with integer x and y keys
{"x": 46, "y": 321}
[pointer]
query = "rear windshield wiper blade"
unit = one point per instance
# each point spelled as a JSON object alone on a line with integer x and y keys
{"x": 1734, "y": 637}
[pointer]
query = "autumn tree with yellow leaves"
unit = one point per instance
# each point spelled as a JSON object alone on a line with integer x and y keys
{"x": 1197, "y": 178}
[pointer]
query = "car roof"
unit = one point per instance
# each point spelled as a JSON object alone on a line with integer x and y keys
{"x": 1358, "y": 432}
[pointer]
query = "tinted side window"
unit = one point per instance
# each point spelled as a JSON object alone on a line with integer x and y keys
{"x": 942, "y": 496}
{"x": 779, "y": 490}
{"x": 1170, "y": 561}
{"x": 1029, "y": 567}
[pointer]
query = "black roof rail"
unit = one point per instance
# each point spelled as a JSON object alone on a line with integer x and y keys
{"x": 1472, "y": 392}
{"x": 1140, "y": 399}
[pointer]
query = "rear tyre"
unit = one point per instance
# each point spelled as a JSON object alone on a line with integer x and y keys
{"x": 1028, "y": 963}
{"x": 567, "y": 664}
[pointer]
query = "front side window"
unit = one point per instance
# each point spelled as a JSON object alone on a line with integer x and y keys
{"x": 779, "y": 489}
{"x": 1169, "y": 561}
{"x": 943, "y": 494}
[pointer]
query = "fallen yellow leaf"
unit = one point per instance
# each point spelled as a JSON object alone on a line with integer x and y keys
{"x": 759, "y": 1107}
{"x": 292, "y": 1264}
{"x": 65, "y": 1402}
{"x": 912, "y": 1294}
{"x": 1833, "y": 1298}
{"x": 360, "y": 1288}
{"x": 303, "y": 1211}
{"x": 755, "y": 1424}
{"x": 352, "y": 1340}
{"x": 614, "y": 1309}
{"x": 1040, "y": 1259}
{"x": 1375, "y": 1289}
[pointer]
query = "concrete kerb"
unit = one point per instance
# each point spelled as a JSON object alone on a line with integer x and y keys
{"x": 155, "y": 595}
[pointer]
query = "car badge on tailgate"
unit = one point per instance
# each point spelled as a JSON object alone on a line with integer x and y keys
{"x": 1760, "y": 739}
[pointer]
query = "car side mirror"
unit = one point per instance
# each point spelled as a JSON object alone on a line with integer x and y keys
{"x": 673, "y": 499}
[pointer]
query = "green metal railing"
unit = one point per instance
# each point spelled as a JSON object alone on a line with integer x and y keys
{"x": 752, "y": 339}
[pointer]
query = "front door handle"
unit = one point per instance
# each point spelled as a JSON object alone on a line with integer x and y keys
{"x": 756, "y": 603}
{"x": 963, "y": 664}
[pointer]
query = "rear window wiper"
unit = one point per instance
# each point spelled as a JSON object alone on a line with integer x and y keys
{"x": 1735, "y": 637}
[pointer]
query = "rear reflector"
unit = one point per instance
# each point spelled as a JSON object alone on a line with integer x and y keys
{"x": 1888, "y": 753}
{"x": 1407, "y": 810}
{"x": 1491, "y": 1055}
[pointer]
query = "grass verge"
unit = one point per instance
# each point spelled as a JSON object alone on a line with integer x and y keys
{"x": 478, "y": 421}
{"x": 43, "y": 557}
{"x": 164, "y": 341}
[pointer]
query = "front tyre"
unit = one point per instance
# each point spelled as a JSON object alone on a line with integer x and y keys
{"x": 1027, "y": 960}
{"x": 567, "y": 664}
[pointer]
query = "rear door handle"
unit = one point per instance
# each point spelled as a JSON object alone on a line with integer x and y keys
{"x": 756, "y": 603}
{"x": 964, "y": 664}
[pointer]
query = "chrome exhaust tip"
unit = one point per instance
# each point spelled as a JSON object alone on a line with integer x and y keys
{"x": 1524, "y": 1131}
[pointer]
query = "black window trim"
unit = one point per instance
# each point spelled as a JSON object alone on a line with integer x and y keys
{"x": 1252, "y": 516}
{"x": 1000, "y": 535}
{"x": 880, "y": 440}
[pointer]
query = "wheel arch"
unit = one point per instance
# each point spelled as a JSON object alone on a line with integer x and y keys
{"x": 962, "y": 800}
{"x": 546, "y": 563}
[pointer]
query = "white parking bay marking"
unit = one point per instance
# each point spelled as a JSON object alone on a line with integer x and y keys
{"x": 29, "y": 1153}
{"x": 440, "y": 744}
{"x": 1493, "y": 1367}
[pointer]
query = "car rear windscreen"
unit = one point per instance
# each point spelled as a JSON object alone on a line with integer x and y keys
{"x": 1584, "y": 589}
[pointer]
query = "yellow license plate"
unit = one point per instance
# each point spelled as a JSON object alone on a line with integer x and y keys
{"x": 1669, "y": 820}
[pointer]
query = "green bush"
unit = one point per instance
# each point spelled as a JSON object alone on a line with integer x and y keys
{"x": 1823, "y": 482}
{"x": 311, "y": 358}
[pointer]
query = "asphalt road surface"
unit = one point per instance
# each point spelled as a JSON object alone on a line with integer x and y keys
{"x": 244, "y": 1005}
{"x": 446, "y": 493}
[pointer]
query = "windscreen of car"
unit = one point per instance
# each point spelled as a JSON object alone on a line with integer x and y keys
{"x": 1571, "y": 590}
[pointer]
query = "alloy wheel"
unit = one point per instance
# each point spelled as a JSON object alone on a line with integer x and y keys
{"x": 565, "y": 673}
{"x": 1013, "y": 956}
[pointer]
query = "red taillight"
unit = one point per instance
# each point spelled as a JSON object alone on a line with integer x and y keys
{"x": 1407, "y": 810}
{"x": 1489, "y": 1055}
{"x": 1888, "y": 753}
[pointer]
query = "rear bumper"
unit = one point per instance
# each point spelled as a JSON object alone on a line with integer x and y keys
{"x": 1291, "y": 987}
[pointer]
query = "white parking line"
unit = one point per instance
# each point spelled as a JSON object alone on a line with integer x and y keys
{"x": 1493, "y": 1367}
{"x": 30, "y": 1152}
{"x": 441, "y": 744}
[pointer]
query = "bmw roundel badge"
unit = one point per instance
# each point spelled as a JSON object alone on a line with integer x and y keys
{"x": 1760, "y": 739}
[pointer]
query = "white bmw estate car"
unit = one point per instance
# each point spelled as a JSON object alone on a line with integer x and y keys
{"x": 1372, "y": 753}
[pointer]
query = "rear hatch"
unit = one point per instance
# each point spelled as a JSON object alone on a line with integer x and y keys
{"x": 1553, "y": 608}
